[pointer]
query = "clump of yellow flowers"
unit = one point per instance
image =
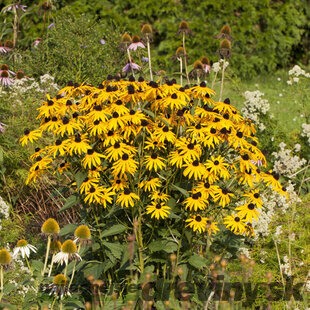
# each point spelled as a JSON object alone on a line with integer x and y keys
{"x": 161, "y": 149}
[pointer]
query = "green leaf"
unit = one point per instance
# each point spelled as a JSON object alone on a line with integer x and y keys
{"x": 116, "y": 249}
{"x": 68, "y": 229}
{"x": 70, "y": 202}
{"x": 163, "y": 245}
{"x": 114, "y": 230}
{"x": 197, "y": 261}
{"x": 79, "y": 178}
{"x": 181, "y": 190}
{"x": 37, "y": 265}
{"x": 1, "y": 155}
{"x": 94, "y": 268}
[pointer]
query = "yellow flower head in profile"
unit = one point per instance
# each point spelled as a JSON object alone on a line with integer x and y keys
{"x": 50, "y": 227}
{"x": 5, "y": 257}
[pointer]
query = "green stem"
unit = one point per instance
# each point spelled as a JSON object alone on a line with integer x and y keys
{"x": 46, "y": 255}
{"x": 52, "y": 263}
{"x": 185, "y": 60}
{"x": 1, "y": 279}
{"x": 181, "y": 71}
{"x": 73, "y": 271}
{"x": 222, "y": 82}
{"x": 27, "y": 261}
{"x": 52, "y": 306}
{"x": 130, "y": 63}
{"x": 149, "y": 56}
{"x": 213, "y": 82}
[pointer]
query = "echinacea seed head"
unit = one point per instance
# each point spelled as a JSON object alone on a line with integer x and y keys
{"x": 55, "y": 246}
{"x": 205, "y": 60}
{"x": 20, "y": 74}
{"x": 69, "y": 247}
{"x": 136, "y": 39}
{"x": 82, "y": 232}
{"x": 21, "y": 243}
{"x": 225, "y": 44}
{"x": 179, "y": 52}
{"x": 9, "y": 44}
{"x": 126, "y": 38}
{"x": 4, "y": 67}
{"x": 50, "y": 227}
{"x": 226, "y": 30}
{"x": 60, "y": 280}
{"x": 183, "y": 25}
{"x": 5, "y": 257}
{"x": 4, "y": 74}
{"x": 198, "y": 65}
{"x": 146, "y": 29}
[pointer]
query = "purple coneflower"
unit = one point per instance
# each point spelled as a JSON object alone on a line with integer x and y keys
{"x": 36, "y": 42}
{"x": 8, "y": 45}
{"x": 5, "y": 67}
{"x": 131, "y": 66}
{"x": 2, "y": 127}
{"x": 136, "y": 42}
{"x": 17, "y": 6}
{"x": 5, "y": 79}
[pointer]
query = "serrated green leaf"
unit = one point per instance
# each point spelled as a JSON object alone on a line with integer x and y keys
{"x": 68, "y": 229}
{"x": 70, "y": 202}
{"x": 197, "y": 261}
{"x": 116, "y": 249}
{"x": 114, "y": 230}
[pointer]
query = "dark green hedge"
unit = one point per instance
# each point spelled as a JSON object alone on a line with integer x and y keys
{"x": 267, "y": 34}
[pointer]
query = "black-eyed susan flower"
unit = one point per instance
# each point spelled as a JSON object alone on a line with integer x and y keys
{"x": 126, "y": 164}
{"x": 127, "y": 198}
{"x": 159, "y": 195}
{"x": 154, "y": 162}
{"x": 195, "y": 202}
{"x": 235, "y": 224}
{"x": 92, "y": 159}
{"x": 197, "y": 222}
{"x": 165, "y": 134}
{"x": 78, "y": 145}
{"x": 223, "y": 196}
{"x": 59, "y": 148}
{"x": 94, "y": 194}
{"x": 150, "y": 185}
{"x": 30, "y": 136}
{"x": 212, "y": 227}
{"x": 194, "y": 169}
{"x": 248, "y": 212}
{"x": 87, "y": 184}
{"x": 254, "y": 197}
{"x": 116, "y": 151}
{"x": 158, "y": 210}
{"x": 218, "y": 166}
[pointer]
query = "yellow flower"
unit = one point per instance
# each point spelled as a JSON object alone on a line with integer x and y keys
{"x": 78, "y": 145}
{"x": 157, "y": 195}
{"x": 195, "y": 202}
{"x": 94, "y": 194}
{"x": 248, "y": 212}
{"x": 127, "y": 198}
{"x": 154, "y": 162}
{"x": 197, "y": 222}
{"x": 150, "y": 185}
{"x": 30, "y": 136}
{"x": 126, "y": 164}
{"x": 92, "y": 159}
{"x": 235, "y": 224}
{"x": 158, "y": 210}
{"x": 195, "y": 170}
{"x": 223, "y": 195}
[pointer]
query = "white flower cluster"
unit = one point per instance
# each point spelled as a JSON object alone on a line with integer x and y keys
{"x": 26, "y": 86}
{"x": 272, "y": 203}
{"x": 295, "y": 73}
{"x": 286, "y": 268}
{"x": 306, "y": 131}
{"x": 4, "y": 210}
{"x": 286, "y": 163}
{"x": 254, "y": 107}
{"x": 217, "y": 66}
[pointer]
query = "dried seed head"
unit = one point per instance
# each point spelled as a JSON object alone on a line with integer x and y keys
{"x": 173, "y": 257}
{"x": 167, "y": 303}
{"x": 60, "y": 280}
{"x": 146, "y": 29}
{"x": 205, "y": 60}
{"x": 242, "y": 258}
{"x": 88, "y": 306}
{"x": 126, "y": 38}
{"x": 46, "y": 6}
{"x": 136, "y": 39}
{"x": 9, "y": 44}
{"x": 252, "y": 263}
{"x": 269, "y": 275}
{"x": 212, "y": 267}
{"x": 223, "y": 263}
{"x": 217, "y": 258}
{"x": 198, "y": 65}
{"x": 98, "y": 283}
{"x": 82, "y": 232}
{"x": 180, "y": 271}
{"x": 179, "y": 52}
{"x": 90, "y": 278}
{"x": 226, "y": 30}
{"x": 5, "y": 257}
{"x": 69, "y": 247}
{"x": 4, "y": 67}
{"x": 55, "y": 246}
{"x": 20, "y": 74}
{"x": 225, "y": 44}
{"x": 21, "y": 243}
{"x": 183, "y": 25}
{"x": 50, "y": 227}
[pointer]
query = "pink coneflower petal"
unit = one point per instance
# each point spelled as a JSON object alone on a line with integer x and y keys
{"x": 127, "y": 68}
{"x": 134, "y": 46}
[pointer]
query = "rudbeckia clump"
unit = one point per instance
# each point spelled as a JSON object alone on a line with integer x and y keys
{"x": 155, "y": 151}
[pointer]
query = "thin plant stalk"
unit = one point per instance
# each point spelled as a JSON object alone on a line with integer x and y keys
{"x": 222, "y": 82}
{"x": 185, "y": 61}
{"x": 51, "y": 268}
{"x": 27, "y": 261}
{"x": 73, "y": 270}
{"x": 128, "y": 52}
{"x": 1, "y": 279}
{"x": 279, "y": 262}
{"x": 181, "y": 71}
{"x": 15, "y": 26}
{"x": 213, "y": 82}
{"x": 47, "y": 253}
{"x": 149, "y": 56}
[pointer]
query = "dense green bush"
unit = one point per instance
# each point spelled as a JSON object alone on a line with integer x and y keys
{"x": 267, "y": 34}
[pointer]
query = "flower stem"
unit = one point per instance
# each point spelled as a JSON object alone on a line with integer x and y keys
{"x": 46, "y": 255}
{"x": 1, "y": 279}
{"x": 73, "y": 270}
{"x": 213, "y": 82}
{"x": 27, "y": 261}
{"x": 149, "y": 56}
{"x": 222, "y": 82}
{"x": 185, "y": 61}
{"x": 52, "y": 263}
{"x": 129, "y": 57}
{"x": 181, "y": 71}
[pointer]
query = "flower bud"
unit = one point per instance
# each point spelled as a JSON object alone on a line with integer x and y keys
{"x": 126, "y": 38}
{"x": 146, "y": 29}
{"x": 225, "y": 44}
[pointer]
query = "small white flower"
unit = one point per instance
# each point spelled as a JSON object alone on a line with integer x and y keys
{"x": 289, "y": 82}
{"x": 24, "y": 248}
{"x": 279, "y": 79}
{"x": 280, "y": 95}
